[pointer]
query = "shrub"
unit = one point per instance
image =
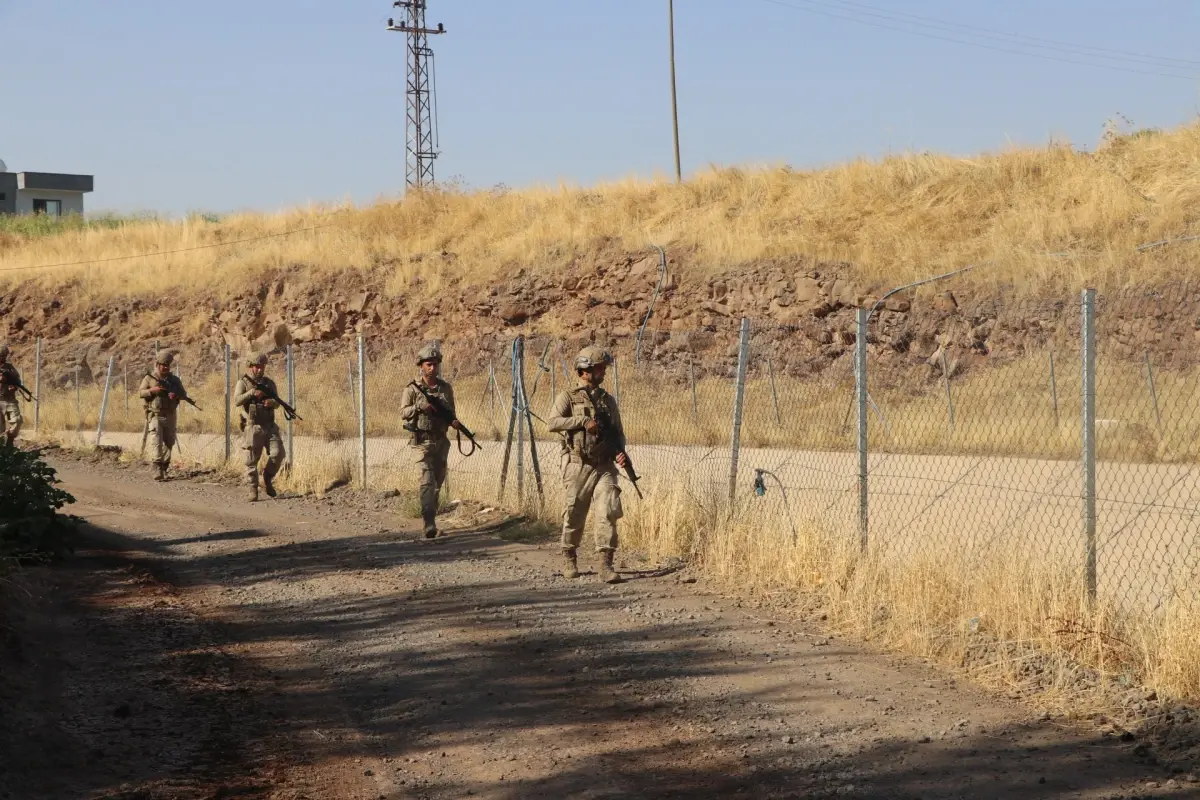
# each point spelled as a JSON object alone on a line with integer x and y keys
{"x": 31, "y": 527}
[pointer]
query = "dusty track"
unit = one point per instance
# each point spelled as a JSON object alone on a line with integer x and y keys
{"x": 296, "y": 648}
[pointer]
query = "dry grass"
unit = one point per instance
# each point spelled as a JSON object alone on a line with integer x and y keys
{"x": 899, "y": 218}
{"x": 1004, "y": 410}
{"x": 997, "y": 617}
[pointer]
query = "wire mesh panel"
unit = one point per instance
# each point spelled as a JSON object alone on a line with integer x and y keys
{"x": 1146, "y": 473}
{"x": 797, "y": 452}
{"x": 974, "y": 472}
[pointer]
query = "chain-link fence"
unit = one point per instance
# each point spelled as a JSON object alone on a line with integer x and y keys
{"x": 1071, "y": 468}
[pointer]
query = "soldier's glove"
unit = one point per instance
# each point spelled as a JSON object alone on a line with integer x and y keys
{"x": 591, "y": 426}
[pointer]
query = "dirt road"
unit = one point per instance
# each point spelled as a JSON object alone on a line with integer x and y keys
{"x": 203, "y": 647}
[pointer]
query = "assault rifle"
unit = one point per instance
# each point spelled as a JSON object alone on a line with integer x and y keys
{"x": 166, "y": 385}
{"x": 8, "y": 375}
{"x": 604, "y": 420}
{"x": 442, "y": 411}
{"x": 270, "y": 394}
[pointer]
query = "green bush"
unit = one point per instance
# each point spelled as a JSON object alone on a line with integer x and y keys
{"x": 31, "y": 527}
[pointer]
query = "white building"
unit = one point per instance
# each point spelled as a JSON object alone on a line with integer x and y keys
{"x": 52, "y": 193}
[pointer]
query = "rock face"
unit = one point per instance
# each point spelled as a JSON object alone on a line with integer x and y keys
{"x": 803, "y": 315}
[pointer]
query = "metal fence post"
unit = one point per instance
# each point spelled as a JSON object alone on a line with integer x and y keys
{"x": 37, "y": 386}
{"x": 362, "y": 408}
{"x": 860, "y": 393}
{"x": 1153, "y": 392}
{"x": 104, "y": 399}
{"x": 228, "y": 403}
{"x": 512, "y": 421}
{"x": 1089, "y": 437}
{"x": 533, "y": 454}
{"x": 78, "y": 402}
{"x": 949, "y": 397}
{"x": 616, "y": 380}
{"x": 739, "y": 399}
{"x": 289, "y": 367}
{"x": 518, "y": 376}
{"x": 692, "y": 381}
{"x": 1053, "y": 390}
{"x": 774, "y": 393}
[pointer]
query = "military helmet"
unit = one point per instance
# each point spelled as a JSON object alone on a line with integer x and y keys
{"x": 430, "y": 352}
{"x": 165, "y": 357}
{"x": 257, "y": 360}
{"x": 592, "y": 356}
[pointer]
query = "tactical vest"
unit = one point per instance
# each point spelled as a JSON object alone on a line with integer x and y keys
{"x": 255, "y": 412}
{"x": 428, "y": 426}
{"x": 160, "y": 405}
{"x": 592, "y": 448}
{"x": 8, "y": 393}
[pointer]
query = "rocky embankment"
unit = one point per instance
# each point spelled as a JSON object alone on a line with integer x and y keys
{"x": 803, "y": 312}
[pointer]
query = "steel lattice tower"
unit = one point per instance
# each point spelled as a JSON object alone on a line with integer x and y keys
{"x": 420, "y": 89}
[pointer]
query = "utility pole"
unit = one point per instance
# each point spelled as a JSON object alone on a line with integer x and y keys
{"x": 420, "y": 89}
{"x": 674, "y": 107}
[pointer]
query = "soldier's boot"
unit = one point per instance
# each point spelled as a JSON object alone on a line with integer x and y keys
{"x": 607, "y": 573}
{"x": 429, "y": 517}
{"x": 160, "y": 472}
{"x": 570, "y": 564}
{"x": 268, "y": 487}
{"x": 253, "y": 492}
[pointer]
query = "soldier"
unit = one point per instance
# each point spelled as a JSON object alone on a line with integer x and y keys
{"x": 593, "y": 445}
{"x": 428, "y": 427}
{"x": 10, "y": 379}
{"x": 162, "y": 391}
{"x": 257, "y": 419}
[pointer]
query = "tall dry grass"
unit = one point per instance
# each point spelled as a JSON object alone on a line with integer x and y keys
{"x": 899, "y": 218}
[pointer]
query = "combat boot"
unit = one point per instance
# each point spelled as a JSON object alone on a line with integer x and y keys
{"x": 253, "y": 492}
{"x": 160, "y": 472}
{"x": 431, "y": 531}
{"x": 607, "y": 573}
{"x": 570, "y": 565}
{"x": 268, "y": 487}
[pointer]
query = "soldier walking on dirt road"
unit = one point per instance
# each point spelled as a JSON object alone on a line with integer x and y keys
{"x": 593, "y": 446}
{"x": 10, "y": 383}
{"x": 161, "y": 392}
{"x": 257, "y": 398}
{"x": 427, "y": 408}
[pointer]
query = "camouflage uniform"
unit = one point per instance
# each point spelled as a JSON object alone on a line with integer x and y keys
{"x": 430, "y": 443}
{"x": 161, "y": 413}
{"x": 259, "y": 430}
{"x": 9, "y": 406}
{"x": 589, "y": 464}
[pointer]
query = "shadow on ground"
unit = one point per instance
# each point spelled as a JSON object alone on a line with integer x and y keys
{"x": 142, "y": 699}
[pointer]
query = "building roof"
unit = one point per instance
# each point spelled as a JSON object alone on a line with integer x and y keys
{"x": 54, "y": 181}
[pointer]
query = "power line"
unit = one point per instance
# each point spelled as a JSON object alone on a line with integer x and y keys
{"x": 1014, "y": 38}
{"x": 168, "y": 252}
{"x": 814, "y": 8}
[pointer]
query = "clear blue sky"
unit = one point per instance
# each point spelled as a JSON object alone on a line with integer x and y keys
{"x": 221, "y": 105}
